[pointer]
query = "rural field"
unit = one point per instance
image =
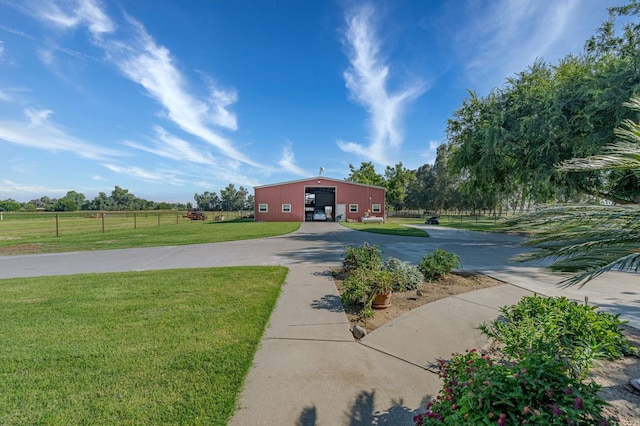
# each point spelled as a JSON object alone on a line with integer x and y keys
{"x": 52, "y": 233}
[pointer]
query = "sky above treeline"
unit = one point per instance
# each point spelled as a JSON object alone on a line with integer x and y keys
{"x": 171, "y": 98}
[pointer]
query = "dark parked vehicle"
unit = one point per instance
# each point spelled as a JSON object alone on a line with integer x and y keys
{"x": 433, "y": 220}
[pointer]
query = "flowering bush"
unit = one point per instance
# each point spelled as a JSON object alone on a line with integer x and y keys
{"x": 405, "y": 276}
{"x": 572, "y": 333}
{"x": 437, "y": 264}
{"x": 534, "y": 390}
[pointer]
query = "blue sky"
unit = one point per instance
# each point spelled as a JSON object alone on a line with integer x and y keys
{"x": 175, "y": 97}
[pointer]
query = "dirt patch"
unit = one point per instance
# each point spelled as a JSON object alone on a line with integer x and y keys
{"x": 613, "y": 376}
{"x": 27, "y": 248}
{"x": 449, "y": 285}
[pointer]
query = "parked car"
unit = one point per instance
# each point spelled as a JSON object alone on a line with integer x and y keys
{"x": 433, "y": 220}
{"x": 319, "y": 215}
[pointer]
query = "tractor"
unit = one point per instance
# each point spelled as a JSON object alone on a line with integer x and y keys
{"x": 196, "y": 215}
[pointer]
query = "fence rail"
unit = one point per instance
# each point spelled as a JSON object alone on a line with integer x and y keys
{"x": 19, "y": 224}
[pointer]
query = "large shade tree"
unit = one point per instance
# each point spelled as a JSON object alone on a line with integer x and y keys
{"x": 590, "y": 240}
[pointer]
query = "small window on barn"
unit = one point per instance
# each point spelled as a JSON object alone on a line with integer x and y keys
{"x": 353, "y": 208}
{"x": 375, "y": 208}
{"x": 286, "y": 208}
{"x": 263, "y": 208}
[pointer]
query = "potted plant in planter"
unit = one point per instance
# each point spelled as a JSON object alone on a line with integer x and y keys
{"x": 363, "y": 286}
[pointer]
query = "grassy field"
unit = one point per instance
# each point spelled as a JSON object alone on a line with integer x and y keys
{"x": 153, "y": 347}
{"x": 388, "y": 228}
{"x": 474, "y": 223}
{"x": 17, "y": 236}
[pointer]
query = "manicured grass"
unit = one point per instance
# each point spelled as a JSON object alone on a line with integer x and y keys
{"x": 388, "y": 228}
{"x": 15, "y": 239}
{"x": 154, "y": 347}
{"x": 473, "y": 223}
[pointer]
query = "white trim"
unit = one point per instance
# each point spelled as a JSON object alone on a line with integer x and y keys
{"x": 263, "y": 208}
{"x": 285, "y": 209}
{"x": 352, "y": 210}
{"x": 376, "y": 208}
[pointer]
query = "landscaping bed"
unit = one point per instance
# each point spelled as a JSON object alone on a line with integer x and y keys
{"x": 613, "y": 376}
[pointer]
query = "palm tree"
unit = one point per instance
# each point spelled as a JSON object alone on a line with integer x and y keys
{"x": 590, "y": 240}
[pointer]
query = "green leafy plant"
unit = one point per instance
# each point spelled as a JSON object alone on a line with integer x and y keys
{"x": 363, "y": 285}
{"x": 405, "y": 276}
{"x": 572, "y": 333}
{"x": 534, "y": 390}
{"x": 437, "y": 264}
{"x": 366, "y": 255}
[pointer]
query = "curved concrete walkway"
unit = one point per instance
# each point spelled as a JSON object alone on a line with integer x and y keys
{"x": 308, "y": 370}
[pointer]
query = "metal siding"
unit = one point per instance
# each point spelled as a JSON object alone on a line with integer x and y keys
{"x": 293, "y": 193}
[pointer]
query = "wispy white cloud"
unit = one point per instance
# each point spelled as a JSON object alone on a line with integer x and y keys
{"x": 162, "y": 176}
{"x": 170, "y": 146}
{"x": 135, "y": 53}
{"x": 152, "y": 66}
{"x": 38, "y": 131}
{"x": 503, "y": 37}
{"x": 288, "y": 161}
{"x": 15, "y": 189}
{"x": 367, "y": 79}
{"x": 72, "y": 14}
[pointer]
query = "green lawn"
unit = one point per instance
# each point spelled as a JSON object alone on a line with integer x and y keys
{"x": 153, "y": 347}
{"x": 474, "y": 223}
{"x": 388, "y": 228}
{"x": 16, "y": 236}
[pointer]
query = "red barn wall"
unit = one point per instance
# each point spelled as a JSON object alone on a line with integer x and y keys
{"x": 364, "y": 196}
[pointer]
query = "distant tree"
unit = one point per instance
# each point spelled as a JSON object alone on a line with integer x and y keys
{"x": 65, "y": 204}
{"x": 398, "y": 181}
{"x": 9, "y": 205}
{"x": 121, "y": 199}
{"x": 249, "y": 205}
{"x": 207, "y": 200}
{"x": 100, "y": 202}
{"x": 366, "y": 174}
{"x": 163, "y": 206}
{"x": 232, "y": 198}
{"x": 78, "y": 198}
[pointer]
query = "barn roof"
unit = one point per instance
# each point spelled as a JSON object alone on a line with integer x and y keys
{"x": 324, "y": 178}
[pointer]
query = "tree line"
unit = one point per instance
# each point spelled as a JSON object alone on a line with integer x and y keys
{"x": 121, "y": 199}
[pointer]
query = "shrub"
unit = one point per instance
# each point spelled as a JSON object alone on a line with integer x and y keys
{"x": 368, "y": 256}
{"x": 535, "y": 390}
{"x": 363, "y": 285}
{"x": 572, "y": 333}
{"x": 437, "y": 264}
{"x": 405, "y": 276}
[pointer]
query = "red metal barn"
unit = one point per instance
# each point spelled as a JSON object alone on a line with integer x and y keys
{"x": 306, "y": 200}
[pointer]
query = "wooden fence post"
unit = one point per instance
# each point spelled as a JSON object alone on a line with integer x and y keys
{"x": 103, "y": 222}
{"x": 57, "y": 234}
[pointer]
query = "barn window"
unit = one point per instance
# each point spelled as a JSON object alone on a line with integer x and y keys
{"x": 263, "y": 208}
{"x": 353, "y": 208}
{"x": 286, "y": 208}
{"x": 375, "y": 208}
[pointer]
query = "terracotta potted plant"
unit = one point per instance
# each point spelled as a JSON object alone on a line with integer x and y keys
{"x": 363, "y": 286}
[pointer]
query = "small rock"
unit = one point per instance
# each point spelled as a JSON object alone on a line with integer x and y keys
{"x": 358, "y": 332}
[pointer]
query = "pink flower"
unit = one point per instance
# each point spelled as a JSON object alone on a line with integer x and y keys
{"x": 526, "y": 410}
{"x": 578, "y": 403}
{"x": 502, "y": 420}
